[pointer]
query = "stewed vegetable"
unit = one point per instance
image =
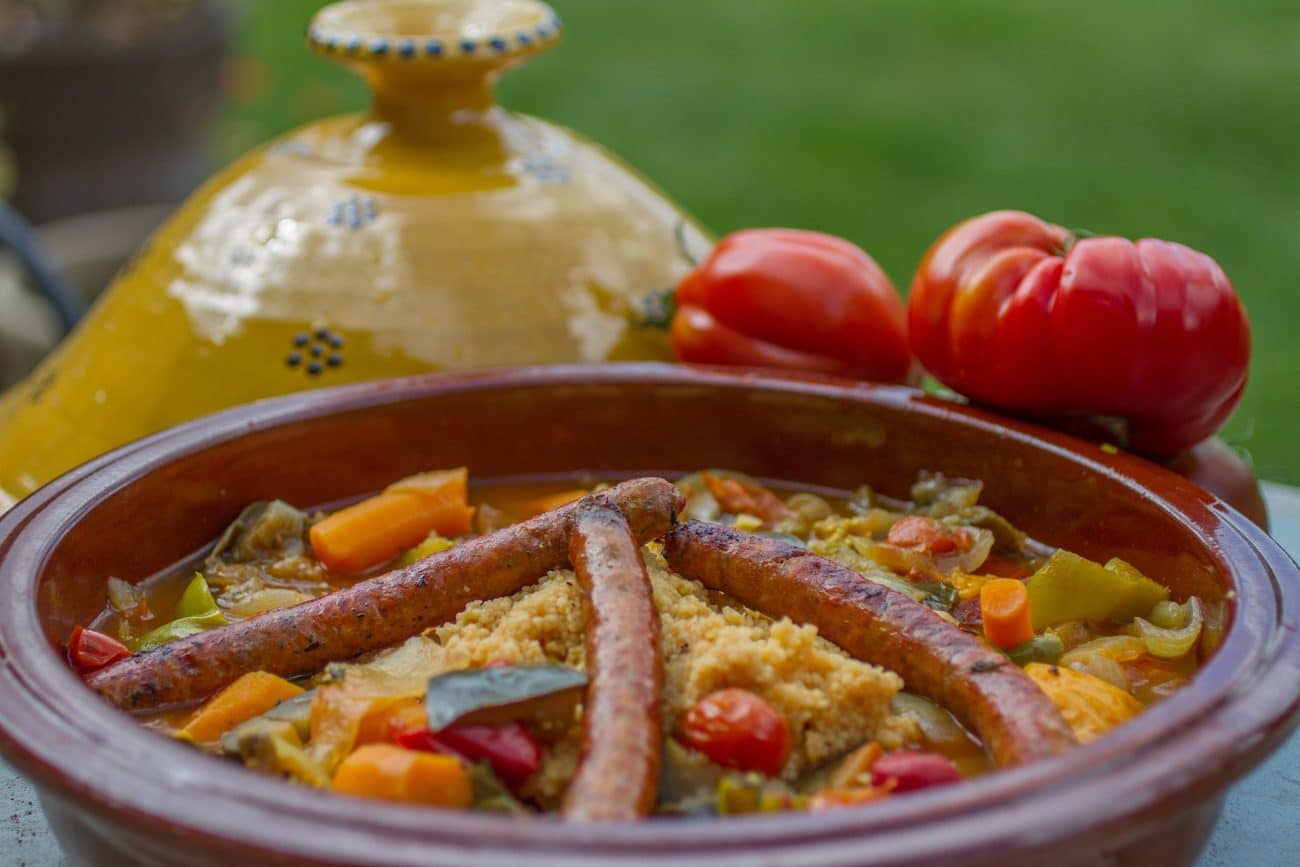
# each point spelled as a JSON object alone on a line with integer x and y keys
{"x": 758, "y": 710}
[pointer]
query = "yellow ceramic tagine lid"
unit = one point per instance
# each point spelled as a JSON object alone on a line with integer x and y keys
{"x": 434, "y": 231}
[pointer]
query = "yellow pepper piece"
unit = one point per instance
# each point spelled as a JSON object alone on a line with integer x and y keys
{"x": 967, "y": 584}
{"x": 435, "y": 544}
{"x": 1090, "y": 705}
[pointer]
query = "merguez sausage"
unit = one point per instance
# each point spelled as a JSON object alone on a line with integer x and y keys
{"x": 987, "y": 692}
{"x": 376, "y": 613}
{"x": 621, "y": 729}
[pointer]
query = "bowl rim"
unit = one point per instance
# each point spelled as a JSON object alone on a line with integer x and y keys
{"x": 1241, "y": 704}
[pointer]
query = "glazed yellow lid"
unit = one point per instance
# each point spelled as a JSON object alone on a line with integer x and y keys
{"x": 435, "y": 230}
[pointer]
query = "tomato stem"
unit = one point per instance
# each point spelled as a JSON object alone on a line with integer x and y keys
{"x": 656, "y": 309}
{"x": 658, "y": 306}
{"x": 1074, "y": 236}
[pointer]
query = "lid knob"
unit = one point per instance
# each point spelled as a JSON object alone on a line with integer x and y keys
{"x": 425, "y": 58}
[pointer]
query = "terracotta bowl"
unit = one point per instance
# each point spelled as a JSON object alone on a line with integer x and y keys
{"x": 1148, "y": 793}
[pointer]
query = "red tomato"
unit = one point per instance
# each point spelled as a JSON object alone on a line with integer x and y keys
{"x": 927, "y": 535}
{"x": 1022, "y": 315}
{"x": 89, "y": 650}
{"x": 1214, "y": 465}
{"x": 908, "y": 771}
{"x": 792, "y": 299}
{"x": 737, "y": 729}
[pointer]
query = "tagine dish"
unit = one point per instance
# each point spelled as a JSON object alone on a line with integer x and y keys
{"x": 715, "y": 647}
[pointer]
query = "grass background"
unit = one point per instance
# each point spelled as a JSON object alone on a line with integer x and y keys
{"x": 886, "y": 121}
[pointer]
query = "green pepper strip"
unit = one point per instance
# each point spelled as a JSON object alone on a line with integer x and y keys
{"x": 1068, "y": 587}
{"x": 198, "y": 613}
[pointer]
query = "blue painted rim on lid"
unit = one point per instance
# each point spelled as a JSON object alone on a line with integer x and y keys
{"x": 407, "y": 49}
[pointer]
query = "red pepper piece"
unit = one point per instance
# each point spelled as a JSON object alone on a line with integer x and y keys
{"x": 792, "y": 299}
{"x": 908, "y": 771}
{"x": 89, "y": 650}
{"x": 512, "y": 751}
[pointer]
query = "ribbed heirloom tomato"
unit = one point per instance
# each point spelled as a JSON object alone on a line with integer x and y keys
{"x": 796, "y": 300}
{"x": 1025, "y": 316}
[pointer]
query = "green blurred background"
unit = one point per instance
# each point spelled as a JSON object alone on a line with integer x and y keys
{"x": 888, "y": 120}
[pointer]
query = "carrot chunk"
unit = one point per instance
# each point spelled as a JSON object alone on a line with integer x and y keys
{"x": 252, "y": 695}
{"x": 386, "y": 721}
{"x": 396, "y": 774}
{"x": 738, "y": 497}
{"x": 555, "y": 501}
{"x": 1004, "y": 605}
{"x": 376, "y": 530}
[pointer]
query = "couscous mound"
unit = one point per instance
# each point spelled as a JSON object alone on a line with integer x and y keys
{"x": 831, "y": 701}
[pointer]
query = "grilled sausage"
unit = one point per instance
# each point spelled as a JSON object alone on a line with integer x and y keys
{"x": 986, "y": 691}
{"x": 621, "y": 729}
{"x": 376, "y": 613}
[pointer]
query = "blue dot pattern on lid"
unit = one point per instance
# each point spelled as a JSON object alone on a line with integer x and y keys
{"x": 353, "y": 212}
{"x": 323, "y": 350}
{"x": 406, "y": 48}
{"x": 433, "y": 48}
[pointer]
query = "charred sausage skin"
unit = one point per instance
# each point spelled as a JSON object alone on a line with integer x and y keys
{"x": 621, "y": 725}
{"x": 1017, "y": 722}
{"x": 376, "y": 613}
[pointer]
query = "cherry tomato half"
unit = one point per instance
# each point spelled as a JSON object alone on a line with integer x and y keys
{"x": 89, "y": 650}
{"x": 737, "y": 729}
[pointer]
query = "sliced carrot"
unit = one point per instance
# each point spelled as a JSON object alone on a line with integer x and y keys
{"x": 746, "y": 498}
{"x": 554, "y": 501}
{"x": 1004, "y": 606}
{"x": 252, "y": 695}
{"x": 855, "y": 768}
{"x": 376, "y": 530}
{"x": 380, "y": 725}
{"x": 396, "y": 774}
{"x": 839, "y": 799}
